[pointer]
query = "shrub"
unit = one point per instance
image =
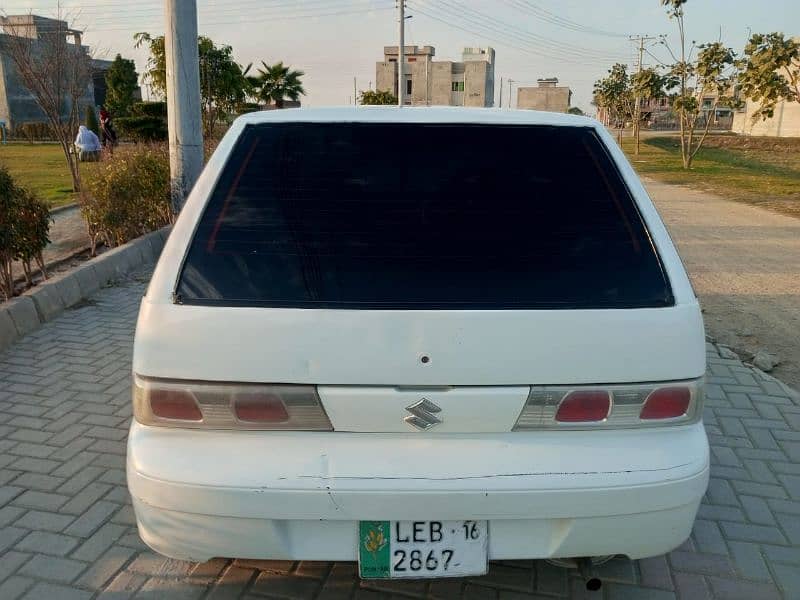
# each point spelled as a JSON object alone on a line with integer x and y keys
{"x": 149, "y": 109}
{"x": 142, "y": 129}
{"x": 128, "y": 195}
{"x": 91, "y": 120}
{"x": 34, "y": 132}
{"x": 24, "y": 228}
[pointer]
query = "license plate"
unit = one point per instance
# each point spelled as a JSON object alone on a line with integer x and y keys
{"x": 422, "y": 549}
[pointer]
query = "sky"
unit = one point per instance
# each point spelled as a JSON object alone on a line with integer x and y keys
{"x": 334, "y": 41}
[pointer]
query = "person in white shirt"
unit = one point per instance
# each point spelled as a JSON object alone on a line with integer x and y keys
{"x": 87, "y": 145}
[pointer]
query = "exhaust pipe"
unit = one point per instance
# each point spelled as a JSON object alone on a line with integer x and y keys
{"x": 586, "y": 569}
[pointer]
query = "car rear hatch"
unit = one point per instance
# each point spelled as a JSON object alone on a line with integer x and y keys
{"x": 392, "y": 264}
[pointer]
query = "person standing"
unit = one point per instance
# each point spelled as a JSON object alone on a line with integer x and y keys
{"x": 107, "y": 132}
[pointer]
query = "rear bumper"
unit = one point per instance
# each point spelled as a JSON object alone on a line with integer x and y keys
{"x": 299, "y": 496}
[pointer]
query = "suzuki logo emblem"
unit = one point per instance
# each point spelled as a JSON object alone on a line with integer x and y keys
{"x": 423, "y": 415}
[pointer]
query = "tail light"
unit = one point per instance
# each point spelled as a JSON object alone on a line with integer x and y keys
{"x": 206, "y": 405}
{"x": 612, "y": 406}
{"x": 174, "y": 405}
{"x": 584, "y": 406}
{"x": 666, "y": 403}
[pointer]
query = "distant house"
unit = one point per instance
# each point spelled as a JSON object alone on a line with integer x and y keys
{"x": 428, "y": 82}
{"x": 784, "y": 123}
{"x": 548, "y": 96}
{"x": 17, "y": 104}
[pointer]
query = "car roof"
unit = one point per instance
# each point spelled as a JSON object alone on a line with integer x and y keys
{"x": 418, "y": 114}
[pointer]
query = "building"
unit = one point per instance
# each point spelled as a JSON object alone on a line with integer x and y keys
{"x": 547, "y": 96}
{"x": 17, "y": 104}
{"x": 785, "y": 122}
{"x": 441, "y": 82}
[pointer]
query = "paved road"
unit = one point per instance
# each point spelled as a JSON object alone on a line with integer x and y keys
{"x": 67, "y": 530}
{"x": 745, "y": 266}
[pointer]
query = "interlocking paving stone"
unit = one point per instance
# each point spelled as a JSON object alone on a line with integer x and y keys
{"x": 67, "y": 529}
{"x": 61, "y": 570}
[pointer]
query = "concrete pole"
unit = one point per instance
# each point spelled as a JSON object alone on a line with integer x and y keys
{"x": 401, "y": 80}
{"x": 500, "y": 104}
{"x": 183, "y": 98}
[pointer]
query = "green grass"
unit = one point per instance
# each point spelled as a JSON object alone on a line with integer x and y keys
{"x": 41, "y": 168}
{"x": 759, "y": 171}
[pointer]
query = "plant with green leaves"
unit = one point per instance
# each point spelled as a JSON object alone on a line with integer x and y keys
{"x": 614, "y": 94}
{"x": 128, "y": 195}
{"x": 91, "y": 120}
{"x": 704, "y": 84}
{"x": 24, "y": 228}
{"x": 223, "y": 83}
{"x": 274, "y": 84}
{"x": 376, "y": 98}
{"x": 646, "y": 84}
{"x": 770, "y": 72}
{"x": 122, "y": 80}
{"x": 33, "y": 228}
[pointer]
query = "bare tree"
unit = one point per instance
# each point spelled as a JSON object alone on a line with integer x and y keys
{"x": 56, "y": 69}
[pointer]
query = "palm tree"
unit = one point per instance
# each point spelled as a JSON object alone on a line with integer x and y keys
{"x": 275, "y": 83}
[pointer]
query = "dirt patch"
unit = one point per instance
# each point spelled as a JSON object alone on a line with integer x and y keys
{"x": 744, "y": 263}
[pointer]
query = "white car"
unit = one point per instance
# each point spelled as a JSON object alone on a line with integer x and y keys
{"x": 419, "y": 339}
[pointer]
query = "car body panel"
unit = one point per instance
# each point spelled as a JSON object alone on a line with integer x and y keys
{"x": 299, "y": 495}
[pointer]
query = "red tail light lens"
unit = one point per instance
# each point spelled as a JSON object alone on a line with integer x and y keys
{"x": 227, "y": 405}
{"x": 175, "y": 404}
{"x": 584, "y": 406}
{"x": 260, "y": 408}
{"x": 667, "y": 403}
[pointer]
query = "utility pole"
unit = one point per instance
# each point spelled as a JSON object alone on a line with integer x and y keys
{"x": 355, "y": 94}
{"x": 510, "y": 83}
{"x": 637, "y": 112}
{"x": 500, "y": 104}
{"x": 401, "y": 53}
{"x": 183, "y": 98}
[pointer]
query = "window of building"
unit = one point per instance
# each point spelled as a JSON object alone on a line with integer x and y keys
{"x": 408, "y": 86}
{"x": 392, "y": 60}
{"x": 457, "y": 86}
{"x": 412, "y": 59}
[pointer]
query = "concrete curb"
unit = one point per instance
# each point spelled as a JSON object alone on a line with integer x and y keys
{"x": 50, "y": 298}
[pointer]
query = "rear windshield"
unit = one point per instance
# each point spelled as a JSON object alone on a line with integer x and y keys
{"x": 421, "y": 216}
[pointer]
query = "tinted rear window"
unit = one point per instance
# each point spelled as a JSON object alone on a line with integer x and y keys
{"x": 420, "y": 216}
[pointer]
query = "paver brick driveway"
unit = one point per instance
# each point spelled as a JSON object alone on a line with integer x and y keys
{"x": 67, "y": 528}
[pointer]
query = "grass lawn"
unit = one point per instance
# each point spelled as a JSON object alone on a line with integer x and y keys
{"x": 41, "y": 168}
{"x": 760, "y": 171}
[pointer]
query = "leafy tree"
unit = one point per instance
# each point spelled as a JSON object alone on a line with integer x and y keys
{"x": 712, "y": 74}
{"x": 645, "y": 85}
{"x": 91, "y": 120}
{"x": 614, "y": 93}
{"x": 770, "y": 72}
{"x": 223, "y": 87}
{"x": 156, "y": 74}
{"x": 574, "y": 110}
{"x": 276, "y": 83}
{"x": 223, "y": 83}
{"x": 374, "y": 98}
{"x": 121, "y": 83}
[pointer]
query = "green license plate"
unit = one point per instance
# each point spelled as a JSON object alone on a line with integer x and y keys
{"x": 422, "y": 549}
